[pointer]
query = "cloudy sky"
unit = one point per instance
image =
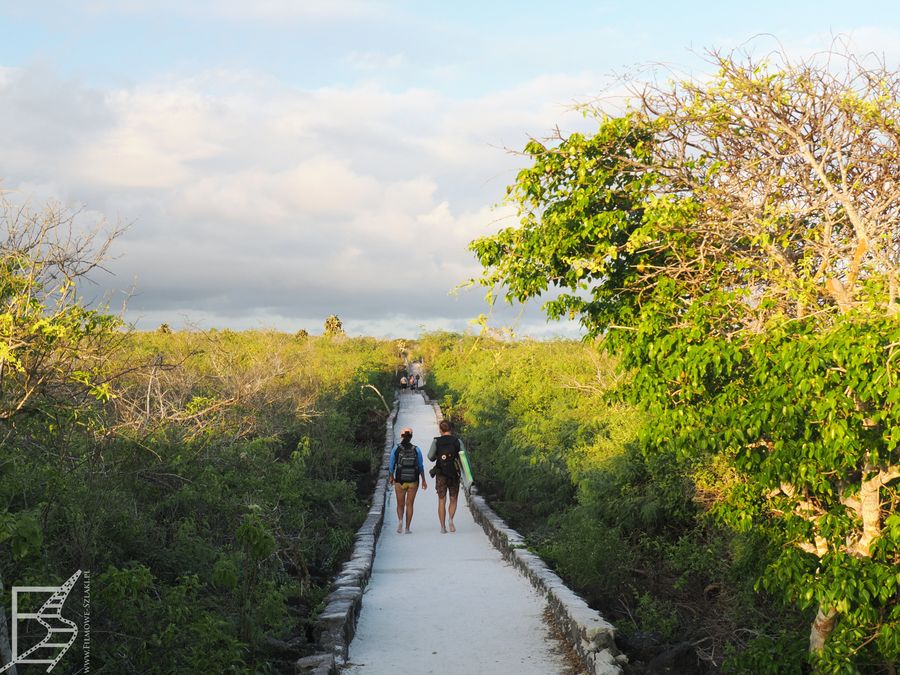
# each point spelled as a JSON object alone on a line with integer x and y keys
{"x": 277, "y": 161}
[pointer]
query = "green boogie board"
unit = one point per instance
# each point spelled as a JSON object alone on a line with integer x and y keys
{"x": 466, "y": 473}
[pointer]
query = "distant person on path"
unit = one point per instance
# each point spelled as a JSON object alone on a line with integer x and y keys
{"x": 406, "y": 470}
{"x": 403, "y": 382}
{"x": 444, "y": 451}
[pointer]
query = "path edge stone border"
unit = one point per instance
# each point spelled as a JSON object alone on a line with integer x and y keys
{"x": 591, "y": 636}
{"x": 337, "y": 622}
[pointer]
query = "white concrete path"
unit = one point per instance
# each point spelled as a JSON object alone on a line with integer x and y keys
{"x": 446, "y": 603}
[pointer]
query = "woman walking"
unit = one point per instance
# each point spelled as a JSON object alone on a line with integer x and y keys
{"x": 407, "y": 469}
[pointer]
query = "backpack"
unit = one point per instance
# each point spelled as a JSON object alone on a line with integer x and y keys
{"x": 447, "y": 456}
{"x": 406, "y": 466}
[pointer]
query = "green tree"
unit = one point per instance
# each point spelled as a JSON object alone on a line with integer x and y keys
{"x": 402, "y": 348}
{"x": 333, "y": 326}
{"x": 52, "y": 350}
{"x": 51, "y": 344}
{"x": 736, "y": 241}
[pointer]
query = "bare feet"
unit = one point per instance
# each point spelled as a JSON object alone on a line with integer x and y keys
{"x": 400, "y": 528}
{"x": 452, "y": 527}
{"x": 443, "y": 530}
{"x": 407, "y": 530}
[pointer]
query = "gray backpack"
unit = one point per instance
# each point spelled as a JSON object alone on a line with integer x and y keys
{"x": 406, "y": 466}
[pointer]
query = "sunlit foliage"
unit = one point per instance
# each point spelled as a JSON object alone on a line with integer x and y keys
{"x": 735, "y": 241}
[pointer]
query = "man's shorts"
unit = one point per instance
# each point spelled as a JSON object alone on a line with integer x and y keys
{"x": 407, "y": 486}
{"x": 441, "y": 484}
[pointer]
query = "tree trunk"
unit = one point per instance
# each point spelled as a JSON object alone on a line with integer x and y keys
{"x": 870, "y": 506}
{"x": 822, "y": 626}
{"x": 870, "y": 511}
{"x": 5, "y": 647}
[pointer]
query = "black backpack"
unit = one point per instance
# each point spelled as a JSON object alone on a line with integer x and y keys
{"x": 406, "y": 466}
{"x": 447, "y": 456}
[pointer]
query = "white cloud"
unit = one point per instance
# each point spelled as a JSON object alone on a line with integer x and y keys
{"x": 253, "y": 201}
{"x": 279, "y": 9}
{"x": 269, "y": 10}
{"x": 374, "y": 61}
{"x": 319, "y": 186}
{"x": 156, "y": 135}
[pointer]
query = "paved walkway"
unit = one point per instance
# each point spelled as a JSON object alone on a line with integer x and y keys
{"x": 446, "y": 603}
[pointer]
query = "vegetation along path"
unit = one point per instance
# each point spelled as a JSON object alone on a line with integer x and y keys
{"x": 447, "y": 603}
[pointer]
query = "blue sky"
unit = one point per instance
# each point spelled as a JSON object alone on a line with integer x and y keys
{"x": 476, "y": 45}
{"x": 278, "y": 160}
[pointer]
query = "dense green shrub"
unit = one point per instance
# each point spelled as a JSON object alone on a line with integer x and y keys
{"x": 213, "y": 495}
{"x": 624, "y": 521}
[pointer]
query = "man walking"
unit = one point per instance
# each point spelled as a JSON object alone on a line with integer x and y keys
{"x": 445, "y": 451}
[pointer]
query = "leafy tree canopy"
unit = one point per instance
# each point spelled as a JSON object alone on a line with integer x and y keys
{"x": 735, "y": 239}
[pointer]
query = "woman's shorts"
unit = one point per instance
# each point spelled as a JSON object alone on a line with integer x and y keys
{"x": 407, "y": 486}
{"x": 441, "y": 484}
